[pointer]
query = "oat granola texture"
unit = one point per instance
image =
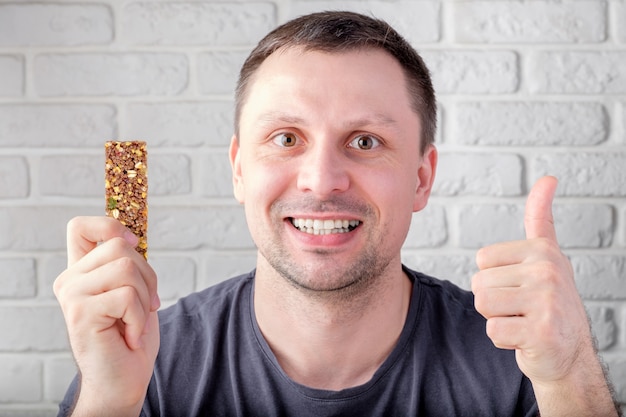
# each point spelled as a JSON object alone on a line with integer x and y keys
{"x": 126, "y": 187}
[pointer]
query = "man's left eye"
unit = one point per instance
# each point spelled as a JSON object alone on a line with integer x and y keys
{"x": 364, "y": 142}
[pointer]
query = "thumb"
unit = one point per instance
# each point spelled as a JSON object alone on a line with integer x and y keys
{"x": 538, "y": 220}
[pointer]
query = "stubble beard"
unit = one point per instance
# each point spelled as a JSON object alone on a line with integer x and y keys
{"x": 343, "y": 281}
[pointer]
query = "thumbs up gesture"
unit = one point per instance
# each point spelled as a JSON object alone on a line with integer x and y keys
{"x": 526, "y": 291}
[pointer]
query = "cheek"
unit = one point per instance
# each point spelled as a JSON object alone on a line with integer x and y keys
{"x": 395, "y": 190}
{"x": 395, "y": 196}
{"x": 262, "y": 184}
{"x": 263, "y": 187}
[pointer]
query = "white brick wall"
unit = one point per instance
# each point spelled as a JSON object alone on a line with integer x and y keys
{"x": 525, "y": 89}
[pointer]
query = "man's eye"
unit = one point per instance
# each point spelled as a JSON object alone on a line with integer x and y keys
{"x": 286, "y": 139}
{"x": 364, "y": 142}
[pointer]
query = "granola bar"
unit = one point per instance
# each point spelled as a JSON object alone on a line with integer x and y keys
{"x": 126, "y": 187}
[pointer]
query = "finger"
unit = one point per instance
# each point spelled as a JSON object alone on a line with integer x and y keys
{"x": 503, "y": 253}
{"x": 121, "y": 255}
{"x": 498, "y": 302}
{"x": 110, "y": 265}
{"x": 96, "y": 314}
{"x": 506, "y": 302}
{"x": 538, "y": 219}
{"x": 122, "y": 272}
{"x": 510, "y": 275}
{"x": 84, "y": 234}
{"x": 123, "y": 304}
{"x": 508, "y": 332}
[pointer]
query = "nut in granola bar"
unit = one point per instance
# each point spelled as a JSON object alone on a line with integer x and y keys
{"x": 126, "y": 187}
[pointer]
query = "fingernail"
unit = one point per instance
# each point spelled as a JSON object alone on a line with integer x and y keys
{"x": 140, "y": 344}
{"x": 131, "y": 238}
{"x": 156, "y": 302}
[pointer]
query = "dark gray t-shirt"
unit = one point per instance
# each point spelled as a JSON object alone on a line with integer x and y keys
{"x": 213, "y": 361}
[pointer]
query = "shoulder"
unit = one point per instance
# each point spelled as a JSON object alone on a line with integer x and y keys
{"x": 431, "y": 289}
{"x": 203, "y": 322}
{"x": 210, "y": 302}
{"x": 197, "y": 335}
{"x": 442, "y": 305}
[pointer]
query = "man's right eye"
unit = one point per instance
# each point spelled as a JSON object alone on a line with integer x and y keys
{"x": 286, "y": 140}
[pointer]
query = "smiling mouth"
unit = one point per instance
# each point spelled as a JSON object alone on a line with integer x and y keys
{"x": 324, "y": 227}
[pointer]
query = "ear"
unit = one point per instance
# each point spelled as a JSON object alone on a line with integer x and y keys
{"x": 235, "y": 163}
{"x": 425, "y": 178}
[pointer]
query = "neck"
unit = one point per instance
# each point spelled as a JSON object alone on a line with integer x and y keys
{"x": 331, "y": 341}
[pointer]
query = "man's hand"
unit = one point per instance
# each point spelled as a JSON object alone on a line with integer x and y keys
{"x": 109, "y": 300}
{"x": 526, "y": 291}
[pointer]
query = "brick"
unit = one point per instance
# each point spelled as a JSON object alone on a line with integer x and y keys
{"x": 187, "y": 23}
{"x": 623, "y": 228}
{"x": 601, "y": 277}
{"x": 184, "y": 228}
{"x": 620, "y": 13}
{"x": 473, "y": 72}
{"x": 52, "y": 125}
{"x": 442, "y": 120}
{"x": 176, "y": 276}
{"x": 622, "y": 123}
{"x": 55, "y": 24}
{"x": 20, "y": 379}
{"x": 71, "y": 175}
{"x": 577, "y": 72}
{"x": 529, "y": 123}
{"x": 428, "y": 228}
{"x": 14, "y": 177}
{"x": 603, "y": 326}
{"x": 169, "y": 174}
{"x": 49, "y": 269}
{"x": 38, "y": 228}
{"x": 36, "y": 410}
{"x": 529, "y": 22}
{"x": 418, "y": 21}
{"x": 617, "y": 372}
{"x": 216, "y": 174}
{"x": 58, "y": 374}
{"x": 38, "y": 328}
{"x": 219, "y": 266}
{"x": 163, "y": 124}
{"x": 218, "y": 71}
{"x": 478, "y": 174}
{"x": 18, "y": 278}
{"x": 584, "y": 173}
{"x": 598, "y": 230}
{"x": 455, "y": 268}
{"x": 107, "y": 74}
{"x": 12, "y": 70}
{"x": 481, "y": 225}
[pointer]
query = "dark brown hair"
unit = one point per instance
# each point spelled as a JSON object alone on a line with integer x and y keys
{"x": 347, "y": 31}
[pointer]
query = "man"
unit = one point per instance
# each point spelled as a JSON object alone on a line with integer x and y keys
{"x": 333, "y": 152}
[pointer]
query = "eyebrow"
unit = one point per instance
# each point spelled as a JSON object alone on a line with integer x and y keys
{"x": 376, "y": 119}
{"x": 279, "y": 116}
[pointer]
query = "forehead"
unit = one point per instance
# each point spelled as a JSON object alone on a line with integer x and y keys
{"x": 374, "y": 64}
{"x": 356, "y": 79}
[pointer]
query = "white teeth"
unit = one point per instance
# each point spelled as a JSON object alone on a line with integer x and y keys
{"x": 324, "y": 227}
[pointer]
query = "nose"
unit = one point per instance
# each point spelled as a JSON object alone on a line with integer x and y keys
{"x": 323, "y": 171}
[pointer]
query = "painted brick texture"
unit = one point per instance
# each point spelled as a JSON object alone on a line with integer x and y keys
{"x": 525, "y": 89}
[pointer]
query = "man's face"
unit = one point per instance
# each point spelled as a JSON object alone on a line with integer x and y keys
{"x": 328, "y": 166}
